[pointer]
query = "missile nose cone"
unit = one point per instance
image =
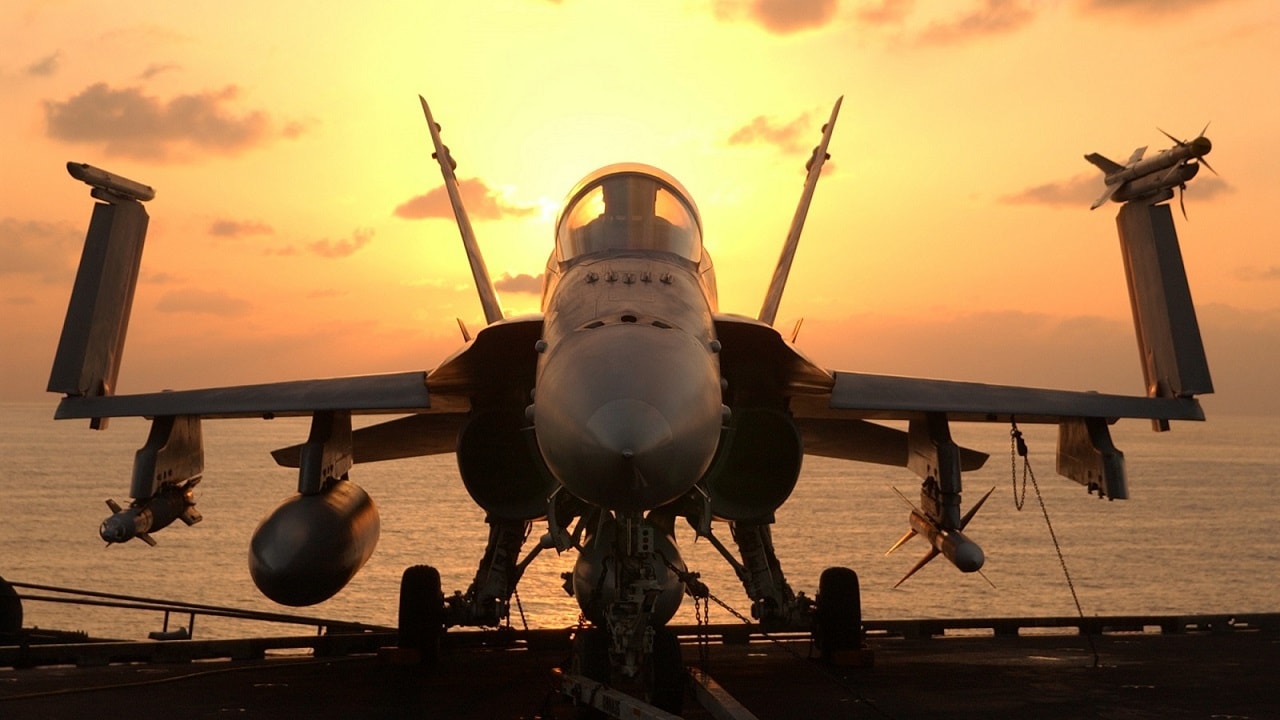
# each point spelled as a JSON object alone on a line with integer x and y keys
{"x": 113, "y": 530}
{"x": 968, "y": 557}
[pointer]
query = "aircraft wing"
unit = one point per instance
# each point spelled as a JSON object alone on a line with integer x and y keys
{"x": 499, "y": 361}
{"x": 833, "y": 410}
{"x": 395, "y": 393}
{"x": 889, "y": 397}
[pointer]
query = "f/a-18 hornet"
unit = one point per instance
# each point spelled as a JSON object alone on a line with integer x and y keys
{"x": 629, "y": 402}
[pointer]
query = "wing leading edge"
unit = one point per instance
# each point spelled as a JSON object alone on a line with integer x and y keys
{"x": 889, "y": 397}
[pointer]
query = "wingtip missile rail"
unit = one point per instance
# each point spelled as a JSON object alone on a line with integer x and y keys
{"x": 114, "y": 185}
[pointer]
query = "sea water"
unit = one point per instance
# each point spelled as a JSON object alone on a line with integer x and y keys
{"x": 1197, "y": 536}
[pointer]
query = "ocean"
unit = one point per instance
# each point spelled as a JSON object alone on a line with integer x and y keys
{"x": 1197, "y": 536}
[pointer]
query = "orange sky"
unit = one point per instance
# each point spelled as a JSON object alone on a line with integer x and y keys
{"x": 952, "y": 237}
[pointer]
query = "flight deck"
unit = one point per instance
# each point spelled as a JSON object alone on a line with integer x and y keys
{"x": 1135, "y": 667}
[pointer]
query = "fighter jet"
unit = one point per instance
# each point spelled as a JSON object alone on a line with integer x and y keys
{"x": 630, "y": 401}
{"x": 1154, "y": 178}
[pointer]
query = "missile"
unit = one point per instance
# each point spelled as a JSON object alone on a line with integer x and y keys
{"x": 1153, "y": 177}
{"x": 954, "y": 545}
{"x": 112, "y": 183}
{"x": 1156, "y": 185}
{"x": 172, "y": 502}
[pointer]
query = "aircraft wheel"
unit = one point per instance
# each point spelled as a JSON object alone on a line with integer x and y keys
{"x": 10, "y": 609}
{"x": 421, "y": 612}
{"x": 665, "y": 674}
{"x": 591, "y": 654}
{"x": 591, "y": 660}
{"x": 837, "y": 622}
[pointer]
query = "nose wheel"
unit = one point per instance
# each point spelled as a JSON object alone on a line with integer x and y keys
{"x": 664, "y": 675}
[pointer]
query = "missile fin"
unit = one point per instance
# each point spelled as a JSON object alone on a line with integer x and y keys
{"x": 1137, "y": 154}
{"x": 146, "y": 538}
{"x": 901, "y": 541}
{"x": 1105, "y": 164}
{"x": 929, "y": 556}
{"x": 974, "y": 510}
{"x": 191, "y": 516}
{"x": 1107, "y": 194}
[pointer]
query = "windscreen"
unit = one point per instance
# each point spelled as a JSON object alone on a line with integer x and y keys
{"x": 629, "y": 211}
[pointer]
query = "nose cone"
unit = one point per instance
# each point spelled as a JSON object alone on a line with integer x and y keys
{"x": 117, "y": 529}
{"x": 628, "y": 416}
{"x": 968, "y": 557}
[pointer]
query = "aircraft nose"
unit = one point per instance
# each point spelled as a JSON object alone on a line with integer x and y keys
{"x": 628, "y": 417}
{"x": 626, "y": 428}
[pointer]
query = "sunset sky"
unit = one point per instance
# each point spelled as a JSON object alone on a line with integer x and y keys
{"x": 299, "y": 231}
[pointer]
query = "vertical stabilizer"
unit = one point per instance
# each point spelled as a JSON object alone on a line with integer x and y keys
{"x": 1164, "y": 317}
{"x": 93, "y": 334}
{"x": 479, "y": 273}
{"x": 773, "y": 298}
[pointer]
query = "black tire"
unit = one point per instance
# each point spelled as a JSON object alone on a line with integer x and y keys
{"x": 837, "y": 621}
{"x": 591, "y": 660}
{"x": 421, "y": 612}
{"x": 591, "y": 655}
{"x": 10, "y": 609}
{"x": 665, "y": 677}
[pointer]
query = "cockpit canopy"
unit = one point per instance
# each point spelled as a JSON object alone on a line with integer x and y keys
{"x": 629, "y": 207}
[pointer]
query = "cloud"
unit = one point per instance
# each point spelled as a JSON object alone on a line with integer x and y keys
{"x": 992, "y": 17}
{"x": 126, "y": 122}
{"x": 481, "y": 201}
{"x": 522, "y": 283}
{"x": 1084, "y": 189}
{"x": 203, "y": 302}
{"x": 1203, "y": 188}
{"x": 239, "y": 228}
{"x": 342, "y": 248}
{"x": 46, "y": 66}
{"x": 780, "y": 17}
{"x": 1147, "y": 9}
{"x": 46, "y": 250}
{"x": 1080, "y": 190}
{"x": 888, "y": 12}
{"x": 1008, "y": 347}
{"x": 155, "y": 69}
{"x": 767, "y": 131}
{"x": 1256, "y": 274}
{"x": 159, "y": 278}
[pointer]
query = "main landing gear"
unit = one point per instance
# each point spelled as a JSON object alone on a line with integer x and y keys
{"x": 837, "y": 618}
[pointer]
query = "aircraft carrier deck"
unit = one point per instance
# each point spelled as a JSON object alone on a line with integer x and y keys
{"x": 1170, "y": 667}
